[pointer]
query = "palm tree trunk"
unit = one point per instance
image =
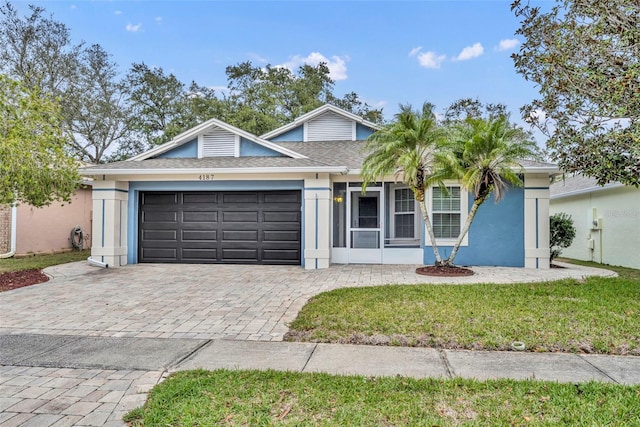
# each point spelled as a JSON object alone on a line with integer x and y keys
{"x": 427, "y": 222}
{"x": 465, "y": 230}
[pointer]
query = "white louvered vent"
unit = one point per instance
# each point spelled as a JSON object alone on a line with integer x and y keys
{"x": 218, "y": 143}
{"x": 329, "y": 127}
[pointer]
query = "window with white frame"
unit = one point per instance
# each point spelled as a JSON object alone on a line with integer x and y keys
{"x": 446, "y": 209}
{"x": 404, "y": 214}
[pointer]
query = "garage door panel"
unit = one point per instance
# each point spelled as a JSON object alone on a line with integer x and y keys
{"x": 198, "y": 198}
{"x": 199, "y": 216}
{"x": 169, "y": 235}
{"x": 230, "y": 217}
{"x": 252, "y": 227}
{"x": 160, "y": 216}
{"x": 159, "y": 254}
{"x": 281, "y": 217}
{"x": 230, "y": 254}
{"x": 195, "y": 254}
{"x": 162, "y": 199}
{"x": 199, "y": 235}
{"x": 281, "y": 236}
{"x": 277, "y": 197}
{"x": 244, "y": 197}
{"x": 281, "y": 254}
{"x": 237, "y": 235}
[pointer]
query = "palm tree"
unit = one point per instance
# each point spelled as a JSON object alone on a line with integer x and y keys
{"x": 406, "y": 149}
{"x": 484, "y": 155}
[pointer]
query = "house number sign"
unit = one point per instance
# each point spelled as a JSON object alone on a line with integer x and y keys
{"x": 206, "y": 177}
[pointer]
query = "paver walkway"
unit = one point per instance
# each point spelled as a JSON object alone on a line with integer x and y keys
{"x": 85, "y": 310}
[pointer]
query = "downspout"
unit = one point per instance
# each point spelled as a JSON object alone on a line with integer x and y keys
{"x": 14, "y": 233}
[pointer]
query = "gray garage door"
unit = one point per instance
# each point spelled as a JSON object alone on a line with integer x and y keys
{"x": 245, "y": 227}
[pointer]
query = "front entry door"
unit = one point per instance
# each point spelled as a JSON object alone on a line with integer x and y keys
{"x": 365, "y": 220}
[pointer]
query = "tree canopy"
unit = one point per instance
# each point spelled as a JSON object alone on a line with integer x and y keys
{"x": 584, "y": 56}
{"x": 34, "y": 165}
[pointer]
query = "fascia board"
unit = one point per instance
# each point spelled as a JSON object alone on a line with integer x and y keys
{"x": 179, "y": 171}
{"x": 195, "y": 131}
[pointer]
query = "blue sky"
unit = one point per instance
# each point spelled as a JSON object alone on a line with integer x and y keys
{"x": 387, "y": 52}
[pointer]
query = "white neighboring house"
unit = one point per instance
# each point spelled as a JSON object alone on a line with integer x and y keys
{"x": 607, "y": 220}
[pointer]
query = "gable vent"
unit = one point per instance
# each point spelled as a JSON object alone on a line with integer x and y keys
{"x": 218, "y": 143}
{"x": 329, "y": 127}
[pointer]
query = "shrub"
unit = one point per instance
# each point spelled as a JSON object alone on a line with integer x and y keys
{"x": 562, "y": 232}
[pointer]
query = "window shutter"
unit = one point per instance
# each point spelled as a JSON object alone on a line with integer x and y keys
{"x": 330, "y": 127}
{"x": 218, "y": 143}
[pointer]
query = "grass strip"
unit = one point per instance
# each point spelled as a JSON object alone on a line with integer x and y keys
{"x": 597, "y": 315}
{"x": 264, "y": 398}
{"x": 41, "y": 261}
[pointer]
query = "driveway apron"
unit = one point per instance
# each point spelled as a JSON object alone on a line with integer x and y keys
{"x": 202, "y": 301}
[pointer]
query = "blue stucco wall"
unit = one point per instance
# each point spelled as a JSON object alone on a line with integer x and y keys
{"x": 188, "y": 150}
{"x": 135, "y": 187}
{"x": 251, "y": 149}
{"x": 294, "y": 135}
{"x": 363, "y": 132}
{"x": 496, "y": 237}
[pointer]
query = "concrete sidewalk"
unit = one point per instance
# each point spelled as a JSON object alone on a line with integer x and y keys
{"x": 52, "y": 380}
{"x": 157, "y": 354}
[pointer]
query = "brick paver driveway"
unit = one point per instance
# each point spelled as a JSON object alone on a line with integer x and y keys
{"x": 200, "y": 301}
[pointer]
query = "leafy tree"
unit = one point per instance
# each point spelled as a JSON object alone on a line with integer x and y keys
{"x": 38, "y": 52}
{"x": 96, "y": 108}
{"x": 561, "y": 233}
{"x": 406, "y": 148}
{"x": 35, "y": 166}
{"x": 484, "y": 155}
{"x": 264, "y": 98}
{"x": 156, "y": 101}
{"x": 584, "y": 55}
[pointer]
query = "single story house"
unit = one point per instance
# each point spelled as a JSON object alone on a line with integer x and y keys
{"x": 26, "y": 230}
{"x": 218, "y": 194}
{"x": 607, "y": 220}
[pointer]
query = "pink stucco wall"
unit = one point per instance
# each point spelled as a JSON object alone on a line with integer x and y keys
{"x": 47, "y": 229}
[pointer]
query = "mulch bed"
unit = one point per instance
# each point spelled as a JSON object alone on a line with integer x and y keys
{"x": 432, "y": 270}
{"x": 20, "y": 279}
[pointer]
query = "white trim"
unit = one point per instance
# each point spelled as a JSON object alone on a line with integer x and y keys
{"x": 237, "y": 146}
{"x": 178, "y": 171}
{"x": 202, "y": 128}
{"x": 464, "y": 213}
{"x": 318, "y": 111}
{"x": 354, "y": 127}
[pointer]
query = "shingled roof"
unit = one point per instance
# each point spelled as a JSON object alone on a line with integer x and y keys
{"x": 577, "y": 184}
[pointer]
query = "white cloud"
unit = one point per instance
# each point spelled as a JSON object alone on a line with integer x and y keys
{"x": 508, "y": 44}
{"x": 158, "y": 19}
{"x": 470, "y": 52}
{"x": 73, "y": 6}
{"x": 430, "y": 60}
{"x": 337, "y": 65}
{"x": 415, "y": 50}
{"x": 117, "y": 12}
{"x": 133, "y": 28}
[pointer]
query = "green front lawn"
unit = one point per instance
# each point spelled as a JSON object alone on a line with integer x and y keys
{"x": 240, "y": 398}
{"x": 596, "y": 316}
{"x": 41, "y": 261}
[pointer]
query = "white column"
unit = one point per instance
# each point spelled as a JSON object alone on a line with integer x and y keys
{"x": 317, "y": 222}
{"x": 536, "y": 221}
{"x": 109, "y": 240}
